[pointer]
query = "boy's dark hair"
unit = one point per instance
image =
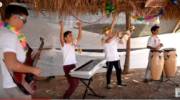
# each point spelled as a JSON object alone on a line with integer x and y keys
{"x": 154, "y": 28}
{"x": 14, "y": 9}
{"x": 67, "y": 33}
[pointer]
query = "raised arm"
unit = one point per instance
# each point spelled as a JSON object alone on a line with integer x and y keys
{"x": 80, "y": 31}
{"x": 113, "y": 23}
{"x": 61, "y": 25}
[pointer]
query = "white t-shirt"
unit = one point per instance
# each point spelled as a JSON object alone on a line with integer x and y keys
{"x": 153, "y": 41}
{"x": 69, "y": 56}
{"x": 111, "y": 50}
{"x": 9, "y": 43}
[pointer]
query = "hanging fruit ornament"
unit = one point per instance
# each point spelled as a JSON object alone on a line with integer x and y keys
{"x": 109, "y": 7}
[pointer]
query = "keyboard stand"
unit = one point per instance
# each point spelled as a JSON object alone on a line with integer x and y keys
{"x": 87, "y": 83}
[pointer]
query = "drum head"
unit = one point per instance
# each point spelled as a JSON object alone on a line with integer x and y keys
{"x": 157, "y": 51}
{"x": 169, "y": 49}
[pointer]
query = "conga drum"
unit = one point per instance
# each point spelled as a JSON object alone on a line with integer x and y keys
{"x": 157, "y": 64}
{"x": 170, "y": 62}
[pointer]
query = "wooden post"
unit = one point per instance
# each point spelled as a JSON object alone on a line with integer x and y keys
{"x": 128, "y": 45}
{"x": 177, "y": 26}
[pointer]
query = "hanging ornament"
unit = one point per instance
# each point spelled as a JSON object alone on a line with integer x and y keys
{"x": 157, "y": 21}
{"x": 149, "y": 18}
{"x": 109, "y": 7}
{"x": 175, "y": 2}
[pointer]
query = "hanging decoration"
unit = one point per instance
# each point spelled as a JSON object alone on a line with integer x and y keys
{"x": 156, "y": 21}
{"x": 175, "y": 2}
{"x": 172, "y": 3}
{"x": 110, "y": 8}
{"x": 148, "y": 18}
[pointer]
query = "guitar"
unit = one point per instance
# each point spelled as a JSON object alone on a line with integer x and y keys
{"x": 30, "y": 77}
{"x": 27, "y": 79}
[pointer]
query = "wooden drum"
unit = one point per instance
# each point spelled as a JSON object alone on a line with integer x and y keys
{"x": 170, "y": 62}
{"x": 157, "y": 64}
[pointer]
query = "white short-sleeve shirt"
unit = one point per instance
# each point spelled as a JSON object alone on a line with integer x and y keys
{"x": 153, "y": 41}
{"x": 111, "y": 49}
{"x": 9, "y": 43}
{"x": 69, "y": 56}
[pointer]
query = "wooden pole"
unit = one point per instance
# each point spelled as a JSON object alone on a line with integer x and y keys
{"x": 177, "y": 26}
{"x": 128, "y": 45}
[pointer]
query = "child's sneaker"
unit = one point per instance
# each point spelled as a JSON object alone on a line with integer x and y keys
{"x": 121, "y": 85}
{"x": 109, "y": 86}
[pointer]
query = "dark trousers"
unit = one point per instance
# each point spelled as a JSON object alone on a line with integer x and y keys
{"x": 73, "y": 82}
{"x": 117, "y": 66}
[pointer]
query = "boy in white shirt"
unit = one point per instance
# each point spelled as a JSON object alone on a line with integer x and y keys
{"x": 153, "y": 44}
{"x": 68, "y": 44}
{"x": 13, "y": 50}
{"x": 110, "y": 43}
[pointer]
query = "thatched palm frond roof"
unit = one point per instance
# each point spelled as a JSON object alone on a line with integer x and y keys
{"x": 79, "y": 7}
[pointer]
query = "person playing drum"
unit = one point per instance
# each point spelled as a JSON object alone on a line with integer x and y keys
{"x": 153, "y": 44}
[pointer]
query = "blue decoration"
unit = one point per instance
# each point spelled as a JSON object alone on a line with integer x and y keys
{"x": 174, "y": 2}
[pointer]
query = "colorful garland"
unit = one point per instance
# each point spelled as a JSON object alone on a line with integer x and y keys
{"x": 20, "y": 36}
{"x": 147, "y": 18}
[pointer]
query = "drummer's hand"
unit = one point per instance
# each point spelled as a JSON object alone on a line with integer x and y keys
{"x": 161, "y": 44}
